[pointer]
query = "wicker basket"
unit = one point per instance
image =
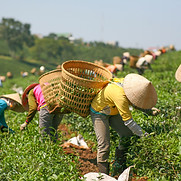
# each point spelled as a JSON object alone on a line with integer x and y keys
{"x": 133, "y": 60}
{"x": 80, "y": 82}
{"x": 50, "y": 85}
{"x": 116, "y": 60}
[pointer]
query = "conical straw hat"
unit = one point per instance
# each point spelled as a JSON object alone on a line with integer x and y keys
{"x": 119, "y": 67}
{"x": 178, "y": 74}
{"x": 24, "y": 96}
{"x": 139, "y": 91}
{"x": 17, "y": 99}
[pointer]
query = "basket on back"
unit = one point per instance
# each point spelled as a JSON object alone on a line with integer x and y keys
{"x": 133, "y": 61}
{"x": 116, "y": 60}
{"x": 80, "y": 83}
{"x": 50, "y": 85}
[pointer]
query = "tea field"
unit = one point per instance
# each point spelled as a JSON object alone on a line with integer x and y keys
{"x": 157, "y": 157}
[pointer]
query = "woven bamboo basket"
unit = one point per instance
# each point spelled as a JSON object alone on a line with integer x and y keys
{"x": 133, "y": 60}
{"x": 50, "y": 85}
{"x": 116, "y": 60}
{"x": 80, "y": 83}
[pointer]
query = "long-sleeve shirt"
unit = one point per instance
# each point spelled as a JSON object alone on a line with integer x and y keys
{"x": 3, "y": 107}
{"x": 35, "y": 101}
{"x": 111, "y": 100}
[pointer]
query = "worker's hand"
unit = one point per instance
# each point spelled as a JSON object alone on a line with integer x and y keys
{"x": 23, "y": 126}
{"x": 4, "y": 129}
{"x": 155, "y": 111}
{"x": 146, "y": 134}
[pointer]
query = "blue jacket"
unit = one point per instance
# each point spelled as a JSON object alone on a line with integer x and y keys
{"x": 3, "y": 106}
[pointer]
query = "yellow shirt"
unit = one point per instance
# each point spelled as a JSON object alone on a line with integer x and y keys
{"x": 112, "y": 100}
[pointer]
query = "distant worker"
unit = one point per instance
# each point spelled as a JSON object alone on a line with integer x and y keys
{"x": 24, "y": 74}
{"x": 172, "y": 48}
{"x": 3, "y": 78}
{"x": 59, "y": 67}
{"x": 101, "y": 63}
{"x": 33, "y": 71}
{"x": 125, "y": 59}
{"x": 42, "y": 70}
{"x": 133, "y": 61}
{"x": 9, "y": 75}
{"x": 157, "y": 53}
{"x": 148, "y": 52}
{"x": 144, "y": 63}
{"x": 116, "y": 60}
{"x": 163, "y": 50}
{"x": 114, "y": 69}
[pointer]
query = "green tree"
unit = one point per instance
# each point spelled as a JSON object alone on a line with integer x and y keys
{"x": 68, "y": 50}
{"x": 52, "y": 36}
{"x": 46, "y": 49}
{"x": 16, "y": 34}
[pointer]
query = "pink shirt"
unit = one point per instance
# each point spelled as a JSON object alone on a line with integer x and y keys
{"x": 39, "y": 95}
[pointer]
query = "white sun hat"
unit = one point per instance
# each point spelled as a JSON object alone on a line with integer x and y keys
{"x": 158, "y": 53}
{"x": 140, "y": 91}
{"x": 178, "y": 74}
{"x": 42, "y": 68}
{"x": 119, "y": 67}
{"x": 126, "y": 54}
{"x": 149, "y": 58}
{"x": 140, "y": 62}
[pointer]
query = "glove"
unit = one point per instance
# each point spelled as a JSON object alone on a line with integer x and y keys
{"x": 134, "y": 127}
{"x": 6, "y": 129}
{"x": 146, "y": 134}
{"x": 23, "y": 126}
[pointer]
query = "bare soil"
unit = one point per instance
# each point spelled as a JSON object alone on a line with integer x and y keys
{"x": 87, "y": 157}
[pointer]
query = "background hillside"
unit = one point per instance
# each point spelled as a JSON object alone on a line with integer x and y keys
{"x": 18, "y": 46}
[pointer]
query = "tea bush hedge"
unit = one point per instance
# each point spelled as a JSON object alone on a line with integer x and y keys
{"x": 158, "y": 157}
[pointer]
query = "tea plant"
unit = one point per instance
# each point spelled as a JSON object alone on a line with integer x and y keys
{"x": 23, "y": 156}
{"x": 158, "y": 156}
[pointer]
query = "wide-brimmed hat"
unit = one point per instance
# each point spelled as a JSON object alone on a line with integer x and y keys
{"x": 158, "y": 53}
{"x": 119, "y": 67}
{"x": 24, "y": 96}
{"x": 139, "y": 91}
{"x": 15, "y": 97}
{"x": 126, "y": 54}
{"x": 149, "y": 58}
{"x": 140, "y": 62}
{"x": 178, "y": 74}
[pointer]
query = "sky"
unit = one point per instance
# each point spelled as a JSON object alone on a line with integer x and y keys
{"x": 133, "y": 23}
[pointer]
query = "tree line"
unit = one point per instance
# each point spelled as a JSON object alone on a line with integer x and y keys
{"x": 17, "y": 41}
